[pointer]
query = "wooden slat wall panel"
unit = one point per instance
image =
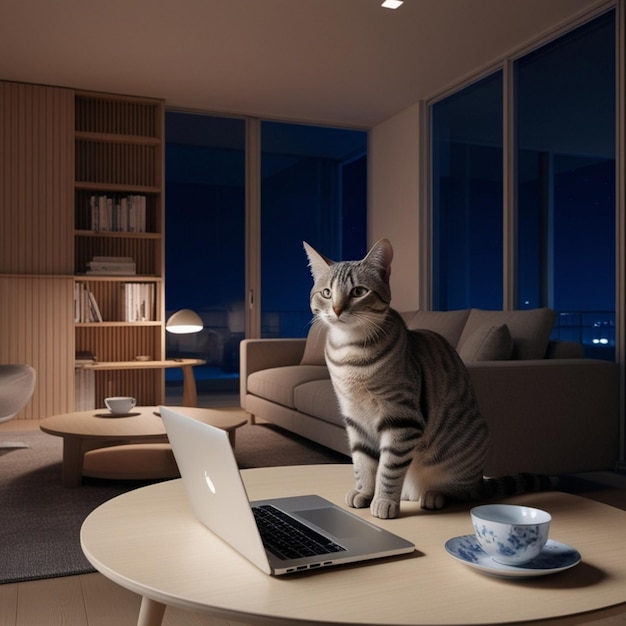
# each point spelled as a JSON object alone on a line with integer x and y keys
{"x": 36, "y": 179}
{"x": 120, "y": 343}
{"x": 36, "y": 328}
{"x": 144, "y": 385}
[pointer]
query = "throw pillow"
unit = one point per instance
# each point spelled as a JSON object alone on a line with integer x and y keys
{"x": 530, "y": 329}
{"x": 314, "y": 347}
{"x": 490, "y": 343}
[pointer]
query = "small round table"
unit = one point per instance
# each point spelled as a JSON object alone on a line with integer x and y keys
{"x": 148, "y": 541}
{"x": 84, "y": 431}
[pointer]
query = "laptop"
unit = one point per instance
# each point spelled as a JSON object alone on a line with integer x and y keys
{"x": 305, "y": 532}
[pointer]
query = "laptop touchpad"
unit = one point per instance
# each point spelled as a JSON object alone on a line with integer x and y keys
{"x": 335, "y": 521}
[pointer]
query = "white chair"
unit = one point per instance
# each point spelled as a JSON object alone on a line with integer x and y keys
{"x": 17, "y": 383}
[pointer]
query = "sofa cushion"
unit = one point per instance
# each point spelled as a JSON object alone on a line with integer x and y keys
{"x": 317, "y": 398}
{"x": 530, "y": 329}
{"x": 488, "y": 343}
{"x": 449, "y": 324}
{"x": 314, "y": 347}
{"x": 278, "y": 383}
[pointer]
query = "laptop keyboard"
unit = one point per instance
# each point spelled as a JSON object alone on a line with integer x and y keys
{"x": 287, "y": 538}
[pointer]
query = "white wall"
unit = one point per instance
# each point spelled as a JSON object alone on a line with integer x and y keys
{"x": 394, "y": 194}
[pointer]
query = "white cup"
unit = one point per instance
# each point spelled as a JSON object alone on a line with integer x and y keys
{"x": 120, "y": 405}
{"x": 511, "y": 534}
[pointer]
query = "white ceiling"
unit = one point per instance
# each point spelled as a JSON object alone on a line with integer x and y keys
{"x": 344, "y": 62}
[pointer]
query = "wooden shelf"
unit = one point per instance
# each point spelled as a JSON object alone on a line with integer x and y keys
{"x": 115, "y": 324}
{"x": 137, "y": 365}
{"x": 119, "y": 153}
{"x": 133, "y": 278}
{"x": 111, "y": 138}
{"x": 115, "y": 234}
{"x": 116, "y": 187}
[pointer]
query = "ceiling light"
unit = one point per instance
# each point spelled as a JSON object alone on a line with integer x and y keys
{"x": 392, "y": 4}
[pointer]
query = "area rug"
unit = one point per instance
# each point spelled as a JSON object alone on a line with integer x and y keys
{"x": 40, "y": 520}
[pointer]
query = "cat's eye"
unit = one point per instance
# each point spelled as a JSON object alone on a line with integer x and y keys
{"x": 326, "y": 293}
{"x": 358, "y": 292}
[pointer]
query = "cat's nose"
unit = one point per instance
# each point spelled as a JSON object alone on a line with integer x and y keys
{"x": 338, "y": 310}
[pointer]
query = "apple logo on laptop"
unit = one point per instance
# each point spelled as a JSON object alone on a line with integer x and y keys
{"x": 209, "y": 482}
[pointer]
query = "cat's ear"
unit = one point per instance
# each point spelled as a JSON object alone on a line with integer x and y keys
{"x": 381, "y": 254}
{"x": 318, "y": 263}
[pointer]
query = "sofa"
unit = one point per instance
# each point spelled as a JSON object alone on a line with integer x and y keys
{"x": 549, "y": 409}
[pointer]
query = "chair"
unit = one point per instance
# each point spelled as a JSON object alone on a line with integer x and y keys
{"x": 17, "y": 383}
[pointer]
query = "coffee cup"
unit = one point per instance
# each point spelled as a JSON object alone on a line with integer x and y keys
{"x": 511, "y": 534}
{"x": 120, "y": 405}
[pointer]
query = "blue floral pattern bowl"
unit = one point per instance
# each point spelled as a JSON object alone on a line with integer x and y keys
{"x": 511, "y": 534}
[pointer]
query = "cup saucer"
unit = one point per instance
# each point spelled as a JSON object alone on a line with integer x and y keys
{"x": 555, "y": 557}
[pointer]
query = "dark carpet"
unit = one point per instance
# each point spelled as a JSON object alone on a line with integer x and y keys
{"x": 40, "y": 520}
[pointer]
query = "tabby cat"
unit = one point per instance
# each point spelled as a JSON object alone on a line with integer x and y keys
{"x": 414, "y": 428}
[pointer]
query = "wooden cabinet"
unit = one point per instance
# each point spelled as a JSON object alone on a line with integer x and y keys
{"x": 118, "y": 241}
{"x": 61, "y": 150}
{"x": 36, "y": 247}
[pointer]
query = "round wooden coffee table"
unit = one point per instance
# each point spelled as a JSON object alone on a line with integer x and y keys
{"x": 86, "y": 431}
{"x": 181, "y": 563}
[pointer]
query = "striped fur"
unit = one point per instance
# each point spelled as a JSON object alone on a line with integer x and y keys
{"x": 413, "y": 424}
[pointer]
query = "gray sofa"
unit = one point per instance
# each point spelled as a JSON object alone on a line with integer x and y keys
{"x": 549, "y": 409}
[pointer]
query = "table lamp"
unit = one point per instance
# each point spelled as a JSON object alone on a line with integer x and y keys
{"x": 183, "y": 322}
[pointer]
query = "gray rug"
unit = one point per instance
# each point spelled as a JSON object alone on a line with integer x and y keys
{"x": 40, "y": 520}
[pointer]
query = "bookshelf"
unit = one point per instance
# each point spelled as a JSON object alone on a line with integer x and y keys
{"x": 118, "y": 246}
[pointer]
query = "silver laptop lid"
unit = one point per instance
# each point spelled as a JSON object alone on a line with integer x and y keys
{"x": 213, "y": 483}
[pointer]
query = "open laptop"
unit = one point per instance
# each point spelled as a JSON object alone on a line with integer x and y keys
{"x": 332, "y": 535}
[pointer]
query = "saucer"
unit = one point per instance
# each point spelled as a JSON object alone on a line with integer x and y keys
{"x": 555, "y": 557}
{"x": 106, "y": 413}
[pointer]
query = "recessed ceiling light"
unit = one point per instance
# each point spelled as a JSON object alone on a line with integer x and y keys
{"x": 392, "y": 4}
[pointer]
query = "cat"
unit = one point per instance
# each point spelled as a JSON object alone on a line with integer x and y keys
{"x": 413, "y": 424}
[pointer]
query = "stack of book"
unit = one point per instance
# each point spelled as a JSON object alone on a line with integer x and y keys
{"x": 84, "y": 357}
{"x": 118, "y": 214}
{"x": 138, "y": 302}
{"x": 86, "y": 308}
{"x": 112, "y": 265}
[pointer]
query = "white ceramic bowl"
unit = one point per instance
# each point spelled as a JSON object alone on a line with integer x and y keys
{"x": 509, "y": 533}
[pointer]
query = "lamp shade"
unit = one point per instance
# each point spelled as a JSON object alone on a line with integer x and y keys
{"x": 183, "y": 322}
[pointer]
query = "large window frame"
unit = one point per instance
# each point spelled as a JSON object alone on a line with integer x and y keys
{"x": 510, "y": 296}
{"x": 509, "y": 231}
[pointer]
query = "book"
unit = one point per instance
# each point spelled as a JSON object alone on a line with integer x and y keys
{"x": 118, "y": 213}
{"x": 86, "y": 307}
{"x": 111, "y": 265}
{"x": 138, "y": 302}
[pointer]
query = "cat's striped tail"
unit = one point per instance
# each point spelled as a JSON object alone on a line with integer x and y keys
{"x": 516, "y": 484}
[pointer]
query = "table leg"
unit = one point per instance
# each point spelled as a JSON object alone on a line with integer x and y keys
{"x": 151, "y": 612}
{"x": 190, "y": 394}
{"x": 72, "y": 467}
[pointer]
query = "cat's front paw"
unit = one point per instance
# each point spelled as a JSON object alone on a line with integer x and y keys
{"x": 433, "y": 501}
{"x": 357, "y": 500}
{"x": 384, "y": 508}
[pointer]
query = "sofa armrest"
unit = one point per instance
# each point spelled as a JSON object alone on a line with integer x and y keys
{"x": 565, "y": 350}
{"x": 261, "y": 354}
{"x": 552, "y": 416}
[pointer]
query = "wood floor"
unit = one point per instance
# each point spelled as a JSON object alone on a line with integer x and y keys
{"x": 93, "y": 600}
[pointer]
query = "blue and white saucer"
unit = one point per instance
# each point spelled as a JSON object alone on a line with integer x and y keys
{"x": 555, "y": 557}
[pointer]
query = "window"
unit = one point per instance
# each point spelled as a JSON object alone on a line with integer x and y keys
{"x": 313, "y": 188}
{"x": 467, "y": 197}
{"x": 564, "y": 180}
{"x": 565, "y": 154}
{"x": 205, "y": 242}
